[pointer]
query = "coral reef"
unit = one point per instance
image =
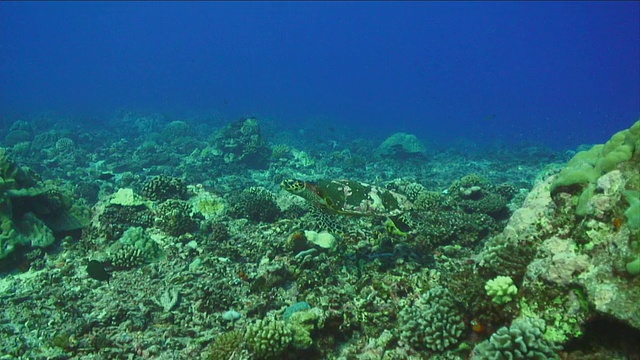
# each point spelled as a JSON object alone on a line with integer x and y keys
{"x": 115, "y": 219}
{"x": 476, "y": 194}
{"x": 20, "y": 132}
{"x": 579, "y": 271}
{"x": 226, "y": 346}
{"x": 194, "y": 252}
{"x": 268, "y": 338}
{"x": 501, "y": 289}
{"x": 127, "y": 257}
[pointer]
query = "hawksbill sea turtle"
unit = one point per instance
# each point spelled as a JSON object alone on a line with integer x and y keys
{"x": 349, "y": 197}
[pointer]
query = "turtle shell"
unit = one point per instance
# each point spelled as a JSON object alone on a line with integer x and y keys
{"x": 349, "y": 197}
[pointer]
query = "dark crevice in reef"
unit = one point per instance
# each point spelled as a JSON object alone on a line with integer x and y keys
{"x": 604, "y": 336}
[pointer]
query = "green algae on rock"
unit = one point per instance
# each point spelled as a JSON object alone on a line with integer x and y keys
{"x": 586, "y": 167}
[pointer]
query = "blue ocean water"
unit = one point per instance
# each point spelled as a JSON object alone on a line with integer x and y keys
{"x": 559, "y": 73}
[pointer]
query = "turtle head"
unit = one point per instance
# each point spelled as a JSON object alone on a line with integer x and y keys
{"x": 293, "y": 185}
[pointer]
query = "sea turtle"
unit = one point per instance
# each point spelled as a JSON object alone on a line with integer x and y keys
{"x": 349, "y": 197}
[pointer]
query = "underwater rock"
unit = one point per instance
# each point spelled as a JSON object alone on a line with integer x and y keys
{"x": 32, "y": 211}
{"x": 584, "y": 241}
{"x": 126, "y": 197}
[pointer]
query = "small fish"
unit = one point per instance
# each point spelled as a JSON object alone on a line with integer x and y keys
{"x": 106, "y": 176}
{"x": 97, "y": 270}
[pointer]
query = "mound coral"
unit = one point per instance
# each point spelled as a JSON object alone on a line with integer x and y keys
{"x": 161, "y": 188}
{"x": 524, "y": 339}
{"x": 401, "y": 145}
{"x": 268, "y": 338}
{"x": 434, "y": 322}
{"x": 174, "y": 217}
{"x": 256, "y": 204}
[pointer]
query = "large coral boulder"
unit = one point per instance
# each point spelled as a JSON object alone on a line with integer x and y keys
{"x": 241, "y": 142}
{"x": 31, "y": 210}
{"x": 581, "y": 243}
{"x": 401, "y": 145}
